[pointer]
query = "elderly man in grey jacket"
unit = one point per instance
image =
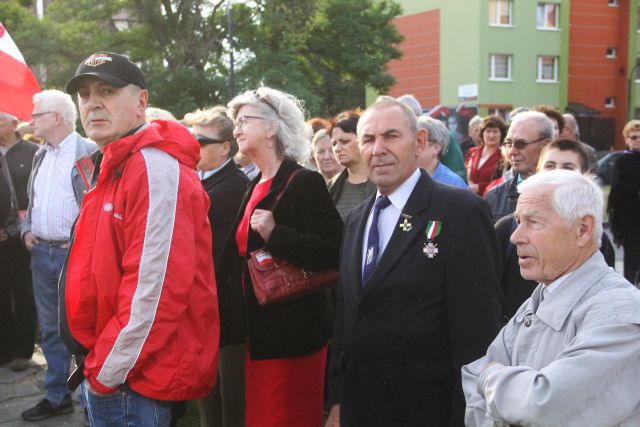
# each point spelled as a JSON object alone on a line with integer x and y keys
{"x": 571, "y": 354}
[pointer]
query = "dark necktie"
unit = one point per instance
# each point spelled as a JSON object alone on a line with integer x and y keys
{"x": 373, "y": 246}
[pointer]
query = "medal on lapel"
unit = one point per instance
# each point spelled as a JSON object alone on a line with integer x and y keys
{"x": 430, "y": 249}
{"x": 405, "y": 225}
{"x": 432, "y": 231}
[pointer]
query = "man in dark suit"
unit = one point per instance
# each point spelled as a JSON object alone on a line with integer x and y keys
{"x": 225, "y": 184}
{"x": 419, "y": 286}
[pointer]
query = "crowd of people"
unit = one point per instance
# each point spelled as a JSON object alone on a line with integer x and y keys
{"x": 475, "y": 282}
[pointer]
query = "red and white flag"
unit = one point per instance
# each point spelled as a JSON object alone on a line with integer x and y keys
{"x": 17, "y": 82}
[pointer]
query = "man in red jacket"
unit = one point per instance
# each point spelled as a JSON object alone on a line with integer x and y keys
{"x": 138, "y": 294}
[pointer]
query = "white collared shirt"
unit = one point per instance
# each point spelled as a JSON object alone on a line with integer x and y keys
{"x": 390, "y": 215}
{"x": 206, "y": 174}
{"x": 54, "y": 202}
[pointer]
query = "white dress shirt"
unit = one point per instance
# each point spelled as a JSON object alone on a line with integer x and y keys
{"x": 54, "y": 203}
{"x": 206, "y": 174}
{"x": 390, "y": 215}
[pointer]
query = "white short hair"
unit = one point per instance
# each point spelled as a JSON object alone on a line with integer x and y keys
{"x": 437, "y": 131}
{"x": 59, "y": 102}
{"x": 411, "y": 102}
{"x": 293, "y": 133}
{"x": 543, "y": 124}
{"x": 574, "y": 196}
{"x": 475, "y": 121}
{"x": 9, "y": 116}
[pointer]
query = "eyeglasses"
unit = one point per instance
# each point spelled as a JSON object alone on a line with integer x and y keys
{"x": 633, "y": 137}
{"x": 36, "y": 115}
{"x": 242, "y": 121}
{"x": 203, "y": 140}
{"x": 265, "y": 100}
{"x": 520, "y": 143}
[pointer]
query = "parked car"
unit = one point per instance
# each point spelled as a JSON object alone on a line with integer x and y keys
{"x": 604, "y": 168}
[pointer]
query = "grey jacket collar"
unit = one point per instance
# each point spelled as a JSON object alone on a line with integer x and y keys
{"x": 555, "y": 310}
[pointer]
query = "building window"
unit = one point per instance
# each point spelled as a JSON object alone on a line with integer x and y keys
{"x": 613, "y": 3}
{"x": 547, "y": 68}
{"x": 548, "y": 16}
{"x": 638, "y": 21}
{"x": 610, "y": 102}
{"x": 637, "y": 70}
{"x": 500, "y": 67}
{"x": 500, "y": 12}
{"x": 612, "y": 52}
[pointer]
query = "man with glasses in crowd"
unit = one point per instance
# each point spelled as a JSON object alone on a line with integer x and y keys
{"x": 56, "y": 190}
{"x": 528, "y": 133}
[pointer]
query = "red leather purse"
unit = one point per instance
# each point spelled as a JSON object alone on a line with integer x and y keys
{"x": 276, "y": 280}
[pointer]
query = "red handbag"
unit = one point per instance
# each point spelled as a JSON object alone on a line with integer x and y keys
{"x": 276, "y": 280}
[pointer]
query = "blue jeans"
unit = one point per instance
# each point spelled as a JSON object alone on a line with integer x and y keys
{"x": 125, "y": 408}
{"x": 46, "y": 264}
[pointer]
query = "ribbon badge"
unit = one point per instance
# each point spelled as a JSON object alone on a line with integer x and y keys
{"x": 433, "y": 229}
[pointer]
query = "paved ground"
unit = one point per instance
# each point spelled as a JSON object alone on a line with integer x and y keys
{"x": 22, "y": 390}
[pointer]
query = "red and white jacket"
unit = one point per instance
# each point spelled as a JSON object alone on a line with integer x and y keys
{"x": 138, "y": 292}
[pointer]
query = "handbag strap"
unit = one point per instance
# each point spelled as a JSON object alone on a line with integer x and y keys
{"x": 281, "y": 192}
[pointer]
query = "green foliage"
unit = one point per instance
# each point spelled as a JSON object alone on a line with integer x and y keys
{"x": 323, "y": 51}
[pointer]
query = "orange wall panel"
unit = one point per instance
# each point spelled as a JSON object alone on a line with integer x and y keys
{"x": 418, "y": 71}
{"x": 592, "y": 76}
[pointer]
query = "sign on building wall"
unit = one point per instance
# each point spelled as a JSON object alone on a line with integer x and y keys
{"x": 468, "y": 92}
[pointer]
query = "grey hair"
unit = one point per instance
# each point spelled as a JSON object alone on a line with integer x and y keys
{"x": 59, "y": 102}
{"x": 570, "y": 121}
{"x": 517, "y": 111}
{"x": 9, "y": 116}
{"x": 287, "y": 111}
{"x": 543, "y": 124}
{"x": 475, "y": 120}
{"x": 154, "y": 113}
{"x": 436, "y": 130}
{"x": 411, "y": 102}
{"x": 385, "y": 101}
{"x": 321, "y": 134}
{"x": 574, "y": 196}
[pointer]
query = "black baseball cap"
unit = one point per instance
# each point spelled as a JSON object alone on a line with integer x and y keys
{"x": 115, "y": 69}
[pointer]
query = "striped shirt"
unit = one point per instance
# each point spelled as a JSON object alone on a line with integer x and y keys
{"x": 54, "y": 203}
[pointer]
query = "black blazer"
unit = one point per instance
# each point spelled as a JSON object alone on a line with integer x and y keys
{"x": 226, "y": 190}
{"x": 400, "y": 342}
{"x": 307, "y": 233}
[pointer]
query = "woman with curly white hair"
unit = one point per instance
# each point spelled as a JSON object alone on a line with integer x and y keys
{"x": 286, "y": 342}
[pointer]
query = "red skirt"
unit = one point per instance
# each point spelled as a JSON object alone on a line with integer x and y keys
{"x": 285, "y": 392}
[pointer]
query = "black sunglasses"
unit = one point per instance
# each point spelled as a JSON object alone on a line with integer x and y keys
{"x": 203, "y": 140}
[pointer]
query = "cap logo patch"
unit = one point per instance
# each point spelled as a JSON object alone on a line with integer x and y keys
{"x": 97, "y": 59}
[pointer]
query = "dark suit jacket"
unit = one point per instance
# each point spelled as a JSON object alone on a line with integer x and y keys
{"x": 307, "y": 233}
{"x": 400, "y": 342}
{"x": 226, "y": 189}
